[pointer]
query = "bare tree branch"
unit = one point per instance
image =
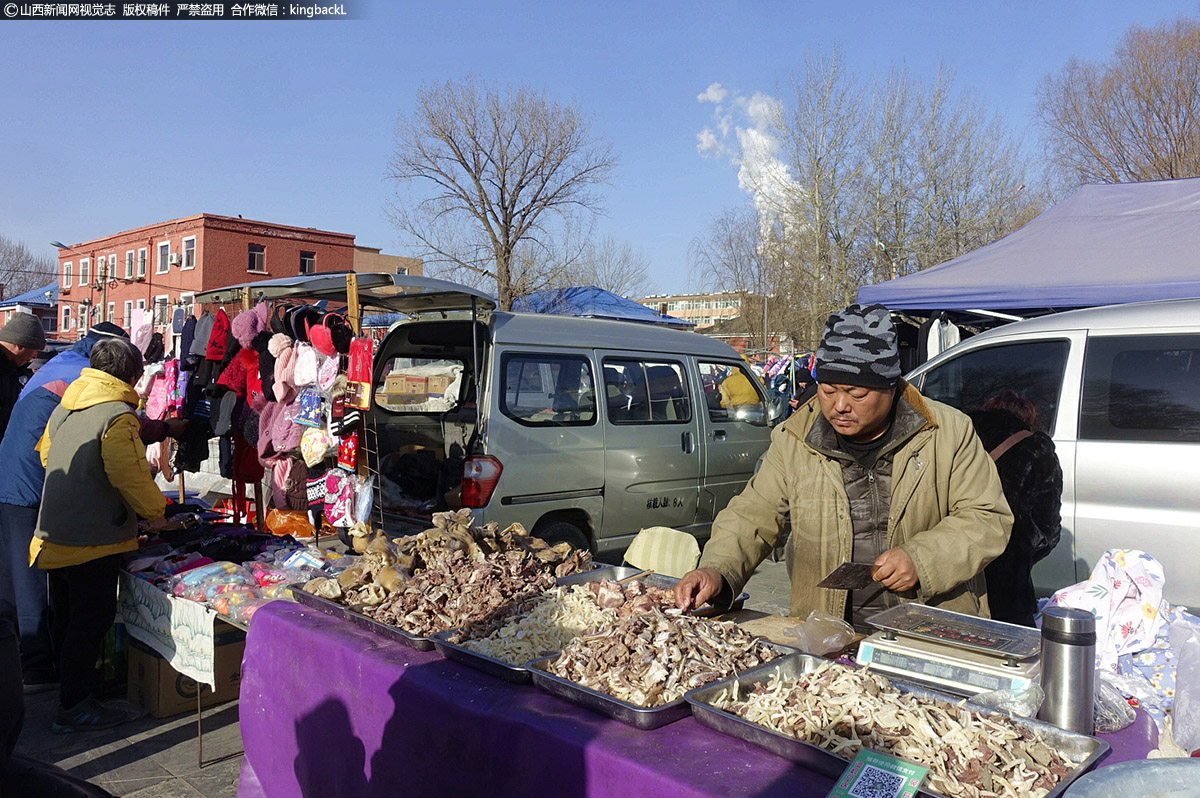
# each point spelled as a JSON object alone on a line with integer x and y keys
{"x": 510, "y": 175}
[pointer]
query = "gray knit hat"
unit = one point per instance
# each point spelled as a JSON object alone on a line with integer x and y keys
{"x": 24, "y": 329}
{"x": 859, "y": 348}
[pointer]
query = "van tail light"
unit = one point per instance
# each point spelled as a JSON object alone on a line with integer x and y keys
{"x": 480, "y": 477}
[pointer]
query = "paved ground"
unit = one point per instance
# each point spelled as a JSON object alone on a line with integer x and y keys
{"x": 152, "y": 758}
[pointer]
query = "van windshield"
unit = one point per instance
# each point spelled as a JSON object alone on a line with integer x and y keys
{"x": 420, "y": 385}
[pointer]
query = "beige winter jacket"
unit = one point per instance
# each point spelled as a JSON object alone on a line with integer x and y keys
{"x": 947, "y": 512}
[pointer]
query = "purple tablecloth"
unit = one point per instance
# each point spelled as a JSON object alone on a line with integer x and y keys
{"x": 328, "y": 709}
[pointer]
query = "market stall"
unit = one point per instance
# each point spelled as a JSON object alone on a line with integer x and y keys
{"x": 331, "y": 709}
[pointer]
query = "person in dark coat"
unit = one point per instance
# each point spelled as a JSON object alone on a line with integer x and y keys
{"x": 20, "y": 340}
{"x": 1033, "y": 483}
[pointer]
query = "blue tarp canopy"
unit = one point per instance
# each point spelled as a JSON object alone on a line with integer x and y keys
{"x": 590, "y": 301}
{"x": 44, "y": 297}
{"x": 1102, "y": 245}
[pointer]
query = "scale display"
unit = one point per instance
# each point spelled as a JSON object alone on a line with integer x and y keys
{"x": 983, "y": 635}
{"x": 945, "y": 668}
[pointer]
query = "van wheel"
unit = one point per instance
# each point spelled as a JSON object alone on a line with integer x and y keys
{"x": 559, "y": 531}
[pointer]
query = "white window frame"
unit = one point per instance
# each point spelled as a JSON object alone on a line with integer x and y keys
{"x": 129, "y": 264}
{"x": 165, "y": 304}
{"x": 66, "y": 318}
{"x": 128, "y": 308}
{"x": 141, "y": 304}
{"x": 141, "y": 263}
{"x": 66, "y": 278}
{"x": 183, "y": 263}
{"x": 188, "y": 301}
{"x": 264, "y": 259}
{"x": 163, "y": 263}
{"x": 85, "y": 272}
{"x": 110, "y": 312}
{"x": 112, "y": 266}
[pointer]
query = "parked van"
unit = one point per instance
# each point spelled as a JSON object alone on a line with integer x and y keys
{"x": 583, "y": 430}
{"x": 1118, "y": 389}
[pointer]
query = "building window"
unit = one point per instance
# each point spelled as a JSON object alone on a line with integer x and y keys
{"x": 128, "y": 313}
{"x": 256, "y": 260}
{"x": 308, "y": 262}
{"x": 112, "y": 267}
{"x": 111, "y": 312}
{"x": 401, "y": 270}
{"x": 189, "y": 253}
{"x": 164, "y": 258}
{"x": 50, "y": 323}
{"x": 66, "y": 318}
{"x": 162, "y": 311}
{"x": 141, "y": 304}
{"x": 85, "y": 271}
{"x": 129, "y": 264}
{"x": 67, "y": 274}
{"x": 141, "y": 262}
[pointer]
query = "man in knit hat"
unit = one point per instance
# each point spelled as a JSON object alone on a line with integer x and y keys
{"x": 872, "y": 473}
{"x": 20, "y": 340}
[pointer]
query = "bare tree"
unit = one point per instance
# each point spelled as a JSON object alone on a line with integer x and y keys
{"x": 21, "y": 270}
{"x": 612, "y": 265}
{"x": 506, "y": 171}
{"x": 1134, "y": 117}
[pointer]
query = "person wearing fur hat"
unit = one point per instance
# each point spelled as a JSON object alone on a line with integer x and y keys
{"x": 871, "y": 473}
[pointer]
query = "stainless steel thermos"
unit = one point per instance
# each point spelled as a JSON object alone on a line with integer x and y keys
{"x": 1069, "y": 668}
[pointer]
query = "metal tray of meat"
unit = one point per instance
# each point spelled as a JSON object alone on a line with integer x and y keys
{"x": 1077, "y": 746}
{"x": 619, "y": 572}
{"x": 517, "y": 674}
{"x": 638, "y": 717}
{"x": 358, "y": 619}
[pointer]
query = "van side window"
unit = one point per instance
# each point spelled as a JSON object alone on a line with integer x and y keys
{"x": 645, "y": 392}
{"x": 1141, "y": 388}
{"x": 731, "y": 394}
{"x": 1033, "y": 369}
{"x": 547, "y": 390}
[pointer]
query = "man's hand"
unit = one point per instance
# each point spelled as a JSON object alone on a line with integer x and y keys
{"x": 893, "y": 569}
{"x": 176, "y": 427}
{"x": 151, "y": 527}
{"x": 697, "y": 587}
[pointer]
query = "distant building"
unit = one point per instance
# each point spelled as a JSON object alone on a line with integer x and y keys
{"x": 40, "y": 302}
{"x": 700, "y": 309}
{"x": 371, "y": 259}
{"x": 160, "y": 267}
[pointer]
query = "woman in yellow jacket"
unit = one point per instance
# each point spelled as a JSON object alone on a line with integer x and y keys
{"x": 97, "y": 486}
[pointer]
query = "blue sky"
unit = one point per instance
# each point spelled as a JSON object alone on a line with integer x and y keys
{"x": 112, "y": 125}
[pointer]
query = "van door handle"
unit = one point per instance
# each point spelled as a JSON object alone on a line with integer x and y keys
{"x": 718, "y": 435}
{"x": 687, "y": 442}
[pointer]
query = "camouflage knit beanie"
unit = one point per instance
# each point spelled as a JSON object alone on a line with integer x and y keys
{"x": 859, "y": 348}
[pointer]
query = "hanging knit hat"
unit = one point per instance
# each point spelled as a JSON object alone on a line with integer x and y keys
{"x": 859, "y": 348}
{"x": 285, "y": 365}
{"x": 245, "y": 326}
{"x": 215, "y": 349}
{"x": 305, "y": 368}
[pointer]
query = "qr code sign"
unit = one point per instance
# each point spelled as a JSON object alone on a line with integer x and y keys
{"x": 876, "y": 783}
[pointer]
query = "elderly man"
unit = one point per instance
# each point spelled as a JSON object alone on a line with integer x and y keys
{"x": 20, "y": 340}
{"x": 872, "y": 473}
{"x": 97, "y": 486}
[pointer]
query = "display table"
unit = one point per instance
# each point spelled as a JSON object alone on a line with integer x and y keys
{"x": 181, "y": 631}
{"x": 328, "y": 709}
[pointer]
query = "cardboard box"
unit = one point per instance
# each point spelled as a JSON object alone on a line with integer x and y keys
{"x": 394, "y": 384}
{"x": 416, "y": 384}
{"x": 438, "y": 385}
{"x": 161, "y": 689}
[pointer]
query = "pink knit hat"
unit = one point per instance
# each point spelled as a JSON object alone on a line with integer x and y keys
{"x": 285, "y": 364}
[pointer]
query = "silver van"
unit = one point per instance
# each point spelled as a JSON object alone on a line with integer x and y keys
{"x": 1118, "y": 389}
{"x": 583, "y": 430}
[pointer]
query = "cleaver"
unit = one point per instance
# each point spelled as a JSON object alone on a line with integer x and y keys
{"x": 848, "y": 576}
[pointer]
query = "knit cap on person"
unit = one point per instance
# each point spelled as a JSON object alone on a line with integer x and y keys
{"x": 24, "y": 329}
{"x": 105, "y": 329}
{"x": 859, "y": 348}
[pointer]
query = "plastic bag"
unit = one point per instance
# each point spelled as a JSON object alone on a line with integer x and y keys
{"x": 1024, "y": 702}
{"x": 1113, "y": 712}
{"x": 1185, "y": 641}
{"x": 821, "y": 634}
{"x": 288, "y": 522}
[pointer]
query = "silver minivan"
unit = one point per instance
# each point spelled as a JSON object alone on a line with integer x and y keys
{"x": 584, "y": 430}
{"x": 1118, "y": 389}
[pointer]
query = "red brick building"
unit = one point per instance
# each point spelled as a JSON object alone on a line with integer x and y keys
{"x": 160, "y": 266}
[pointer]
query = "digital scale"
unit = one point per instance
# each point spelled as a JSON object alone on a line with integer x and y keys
{"x": 950, "y": 651}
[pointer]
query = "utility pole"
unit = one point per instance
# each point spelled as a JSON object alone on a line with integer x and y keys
{"x": 103, "y": 271}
